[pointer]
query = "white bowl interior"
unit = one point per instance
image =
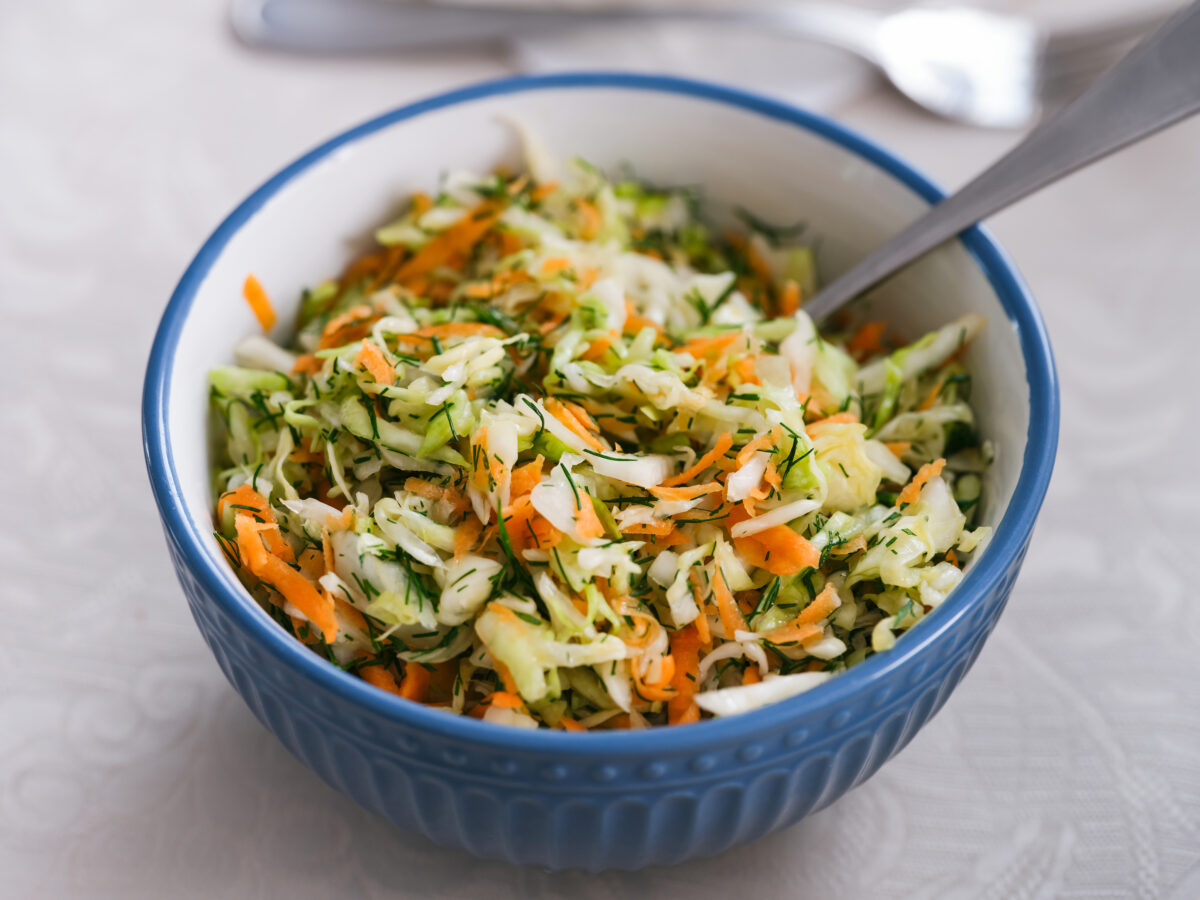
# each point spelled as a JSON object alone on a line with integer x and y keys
{"x": 317, "y": 221}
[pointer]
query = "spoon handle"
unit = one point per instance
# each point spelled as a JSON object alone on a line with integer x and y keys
{"x": 1156, "y": 85}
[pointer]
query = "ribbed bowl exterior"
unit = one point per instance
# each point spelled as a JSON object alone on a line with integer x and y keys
{"x": 591, "y": 811}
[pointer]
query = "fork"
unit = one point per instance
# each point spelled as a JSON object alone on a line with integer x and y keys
{"x": 968, "y": 65}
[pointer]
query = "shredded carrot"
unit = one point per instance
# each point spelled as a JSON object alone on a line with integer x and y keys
{"x": 789, "y": 300}
{"x": 421, "y": 203}
{"x": 555, "y": 265}
{"x": 416, "y": 682}
{"x": 912, "y": 490}
{"x": 459, "y": 238}
{"x": 822, "y": 605}
{"x": 525, "y": 478}
{"x": 592, "y": 220}
{"x": 381, "y": 678}
{"x": 691, "y": 492}
{"x": 701, "y": 621}
{"x": 371, "y": 358}
{"x": 566, "y": 723}
{"x": 853, "y": 546}
{"x": 898, "y": 448}
{"x": 842, "y": 418}
{"x": 745, "y": 369}
{"x": 465, "y": 537}
{"x": 307, "y": 363}
{"x": 778, "y": 549}
{"x": 510, "y": 683}
{"x": 504, "y": 700}
{"x": 449, "y": 330}
{"x": 260, "y": 303}
{"x": 542, "y": 191}
{"x": 635, "y": 323}
{"x": 932, "y": 397}
{"x": 766, "y": 439}
{"x": 662, "y": 529}
{"x": 685, "y": 649}
{"x": 751, "y": 675}
{"x": 724, "y": 442}
{"x": 349, "y": 326}
{"x": 710, "y": 346}
{"x": 793, "y": 634}
{"x": 952, "y": 558}
{"x": 598, "y": 347}
{"x": 868, "y": 340}
{"x": 587, "y": 523}
{"x": 661, "y": 687}
{"x": 246, "y": 499}
{"x": 567, "y": 417}
{"x": 731, "y": 616}
{"x": 294, "y": 587}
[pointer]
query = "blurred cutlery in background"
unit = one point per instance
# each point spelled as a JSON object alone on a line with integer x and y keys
{"x": 969, "y": 65}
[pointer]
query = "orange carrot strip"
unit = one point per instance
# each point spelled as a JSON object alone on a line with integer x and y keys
{"x": 751, "y": 675}
{"x": 789, "y": 300}
{"x": 504, "y": 700}
{"x": 701, "y": 621}
{"x": 598, "y": 347}
{"x": 568, "y": 419}
{"x": 793, "y": 633}
{"x": 912, "y": 490}
{"x": 592, "y": 220}
{"x": 371, "y": 358}
{"x": 307, "y": 364}
{"x": 381, "y": 678}
{"x": 255, "y": 503}
{"x": 731, "y": 616}
{"x": 898, "y": 448}
{"x": 260, "y": 303}
{"x": 416, "y": 682}
{"x": 459, "y": 329}
{"x": 295, "y": 588}
{"x": 745, "y": 369}
{"x": 859, "y": 543}
{"x": 685, "y": 649}
{"x": 822, "y": 605}
{"x": 779, "y": 550}
{"x": 525, "y": 478}
{"x": 587, "y": 523}
{"x": 707, "y": 346}
{"x": 691, "y": 492}
{"x": 766, "y": 439}
{"x": 868, "y": 340}
{"x": 555, "y": 264}
{"x": 339, "y": 329}
{"x": 724, "y": 442}
{"x": 542, "y": 191}
{"x": 465, "y": 537}
{"x": 952, "y": 558}
{"x": 842, "y": 418}
{"x": 635, "y": 323}
{"x": 566, "y": 723}
{"x": 932, "y": 396}
{"x": 458, "y": 238}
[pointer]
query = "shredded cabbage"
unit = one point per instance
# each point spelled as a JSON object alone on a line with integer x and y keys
{"x": 557, "y": 455}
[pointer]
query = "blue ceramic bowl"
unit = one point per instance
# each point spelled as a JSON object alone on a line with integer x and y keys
{"x": 607, "y": 800}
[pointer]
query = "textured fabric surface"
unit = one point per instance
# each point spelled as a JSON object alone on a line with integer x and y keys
{"x": 1067, "y": 764}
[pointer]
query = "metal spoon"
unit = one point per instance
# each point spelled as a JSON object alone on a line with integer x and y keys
{"x": 970, "y": 65}
{"x": 1156, "y": 85}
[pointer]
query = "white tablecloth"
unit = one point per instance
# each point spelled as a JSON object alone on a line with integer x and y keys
{"x": 1066, "y": 765}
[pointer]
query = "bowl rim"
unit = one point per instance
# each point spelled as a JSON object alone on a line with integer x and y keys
{"x": 220, "y": 583}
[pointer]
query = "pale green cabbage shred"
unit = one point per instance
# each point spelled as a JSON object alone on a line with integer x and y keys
{"x": 616, "y": 339}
